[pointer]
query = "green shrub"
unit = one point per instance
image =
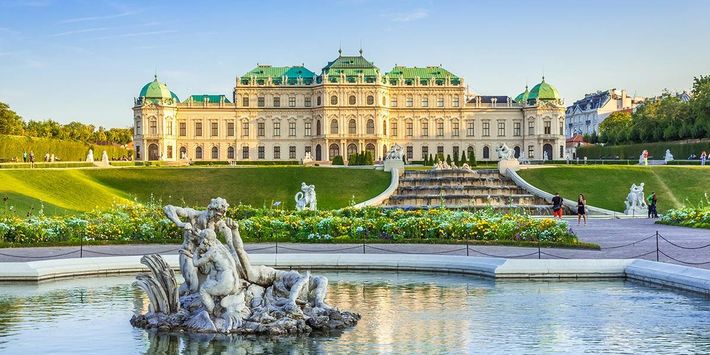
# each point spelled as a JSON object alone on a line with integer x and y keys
{"x": 633, "y": 151}
{"x": 338, "y": 160}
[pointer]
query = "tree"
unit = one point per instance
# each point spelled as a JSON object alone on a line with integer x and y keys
{"x": 456, "y": 157}
{"x": 472, "y": 160}
{"x": 10, "y": 122}
{"x": 463, "y": 157}
{"x": 431, "y": 160}
{"x": 338, "y": 160}
{"x": 448, "y": 159}
{"x": 426, "y": 161}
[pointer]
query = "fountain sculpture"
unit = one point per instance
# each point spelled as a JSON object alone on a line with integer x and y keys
{"x": 223, "y": 292}
{"x": 635, "y": 201}
{"x": 306, "y": 198}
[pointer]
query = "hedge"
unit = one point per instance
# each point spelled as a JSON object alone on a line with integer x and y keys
{"x": 76, "y": 164}
{"x": 13, "y": 147}
{"x": 633, "y": 151}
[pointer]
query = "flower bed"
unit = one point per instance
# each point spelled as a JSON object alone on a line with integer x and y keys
{"x": 689, "y": 216}
{"x": 138, "y": 223}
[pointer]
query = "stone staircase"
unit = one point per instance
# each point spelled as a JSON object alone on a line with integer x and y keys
{"x": 464, "y": 189}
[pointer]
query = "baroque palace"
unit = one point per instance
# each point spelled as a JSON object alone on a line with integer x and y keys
{"x": 282, "y": 113}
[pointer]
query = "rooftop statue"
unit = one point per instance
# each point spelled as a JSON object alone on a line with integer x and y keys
{"x": 223, "y": 292}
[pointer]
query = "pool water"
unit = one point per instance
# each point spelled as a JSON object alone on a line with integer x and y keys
{"x": 402, "y": 313}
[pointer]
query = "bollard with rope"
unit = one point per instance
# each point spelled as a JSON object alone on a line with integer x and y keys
{"x": 657, "y": 250}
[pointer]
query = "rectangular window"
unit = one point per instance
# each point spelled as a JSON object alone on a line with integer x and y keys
{"x": 260, "y": 129}
{"x": 456, "y": 151}
{"x": 153, "y": 126}
{"x": 198, "y": 129}
{"x": 562, "y": 151}
{"x": 393, "y": 129}
{"x": 230, "y": 153}
{"x": 410, "y": 129}
{"x": 531, "y": 128}
{"x": 213, "y": 131}
{"x": 245, "y": 129}
{"x": 292, "y": 101}
{"x": 425, "y": 152}
{"x": 516, "y": 129}
{"x": 440, "y": 152}
{"x": 277, "y": 129}
{"x": 548, "y": 127}
{"x": 277, "y": 152}
{"x": 307, "y": 101}
{"x": 501, "y": 129}
{"x": 183, "y": 129}
{"x": 170, "y": 152}
{"x": 169, "y": 130}
{"x": 440, "y": 101}
{"x": 292, "y": 152}
{"x": 307, "y": 130}
{"x": 260, "y": 101}
{"x": 230, "y": 129}
{"x": 307, "y": 149}
{"x": 277, "y": 101}
{"x": 454, "y": 129}
{"x": 260, "y": 152}
{"x": 425, "y": 101}
{"x": 410, "y": 152}
{"x": 440, "y": 129}
{"x": 410, "y": 101}
{"x": 393, "y": 101}
{"x": 245, "y": 152}
{"x": 245, "y": 101}
{"x": 562, "y": 129}
{"x": 486, "y": 129}
{"x": 469, "y": 129}
{"x": 455, "y": 101}
{"x": 425, "y": 129}
{"x": 292, "y": 129}
{"x": 531, "y": 152}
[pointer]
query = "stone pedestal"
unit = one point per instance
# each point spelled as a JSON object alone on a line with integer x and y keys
{"x": 394, "y": 163}
{"x": 506, "y": 164}
{"x": 636, "y": 211}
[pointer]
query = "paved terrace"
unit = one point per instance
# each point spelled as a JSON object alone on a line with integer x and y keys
{"x": 619, "y": 239}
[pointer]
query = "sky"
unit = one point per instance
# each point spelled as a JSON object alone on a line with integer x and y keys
{"x": 85, "y": 60}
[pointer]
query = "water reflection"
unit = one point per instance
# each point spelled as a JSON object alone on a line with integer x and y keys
{"x": 402, "y": 313}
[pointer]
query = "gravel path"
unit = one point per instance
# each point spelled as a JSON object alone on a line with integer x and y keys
{"x": 626, "y": 238}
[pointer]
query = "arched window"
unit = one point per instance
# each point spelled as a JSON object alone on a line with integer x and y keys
{"x": 351, "y": 100}
{"x": 318, "y": 100}
{"x": 370, "y": 148}
{"x": 198, "y": 153}
{"x": 318, "y": 128}
{"x": 215, "y": 153}
{"x": 230, "y": 153}
{"x": 370, "y": 100}
{"x": 183, "y": 153}
{"x": 333, "y": 150}
{"x": 352, "y": 126}
{"x": 517, "y": 151}
{"x": 334, "y": 100}
{"x": 486, "y": 152}
{"x": 352, "y": 149}
{"x": 370, "y": 126}
{"x": 334, "y": 127}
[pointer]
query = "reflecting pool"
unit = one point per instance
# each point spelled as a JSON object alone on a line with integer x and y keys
{"x": 402, "y": 313}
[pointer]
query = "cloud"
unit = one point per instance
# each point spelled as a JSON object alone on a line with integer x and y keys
{"x": 413, "y": 15}
{"x": 97, "y": 18}
{"x": 85, "y": 30}
{"x": 136, "y": 34}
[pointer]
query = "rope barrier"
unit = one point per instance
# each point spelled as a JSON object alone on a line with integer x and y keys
{"x": 40, "y": 257}
{"x": 319, "y": 250}
{"x": 629, "y": 244}
{"x": 262, "y": 248}
{"x": 683, "y": 247}
{"x": 503, "y": 256}
{"x": 130, "y": 254}
{"x": 681, "y": 261}
{"x": 414, "y": 253}
{"x": 641, "y": 255}
{"x": 554, "y": 256}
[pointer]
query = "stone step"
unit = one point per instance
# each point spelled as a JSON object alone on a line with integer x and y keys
{"x": 459, "y": 189}
{"x": 464, "y": 200}
{"x": 530, "y": 209}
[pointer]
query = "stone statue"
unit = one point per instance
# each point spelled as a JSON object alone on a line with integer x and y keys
{"x": 466, "y": 167}
{"x": 104, "y": 158}
{"x": 224, "y": 293}
{"x": 668, "y": 157}
{"x": 394, "y": 159}
{"x": 307, "y": 159}
{"x": 395, "y": 153}
{"x": 505, "y": 153}
{"x": 545, "y": 156}
{"x": 306, "y": 198}
{"x": 90, "y": 156}
{"x": 635, "y": 201}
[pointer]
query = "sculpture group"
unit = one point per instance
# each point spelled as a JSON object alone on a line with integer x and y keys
{"x": 635, "y": 201}
{"x": 223, "y": 292}
{"x": 306, "y": 198}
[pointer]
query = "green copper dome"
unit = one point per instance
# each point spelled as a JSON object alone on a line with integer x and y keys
{"x": 544, "y": 91}
{"x": 157, "y": 90}
{"x": 523, "y": 96}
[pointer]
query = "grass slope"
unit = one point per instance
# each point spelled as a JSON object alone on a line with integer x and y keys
{"x": 71, "y": 190}
{"x": 607, "y": 186}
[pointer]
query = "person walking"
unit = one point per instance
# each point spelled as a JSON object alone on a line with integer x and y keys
{"x": 32, "y": 158}
{"x": 581, "y": 209}
{"x": 703, "y": 157}
{"x": 652, "y": 200}
{"x": 24, "y": 156}
{"x": 557, "y": 206}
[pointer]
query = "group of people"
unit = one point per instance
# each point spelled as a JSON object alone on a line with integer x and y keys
{"x": 703, "y": 157}
{"x": 557, "y": 206}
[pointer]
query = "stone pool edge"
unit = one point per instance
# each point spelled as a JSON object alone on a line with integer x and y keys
{"x": 657, "y": 273}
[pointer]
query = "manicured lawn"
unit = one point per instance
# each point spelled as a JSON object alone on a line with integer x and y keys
{"x": 71, "y": 190}
{"x": 607, "y": 186}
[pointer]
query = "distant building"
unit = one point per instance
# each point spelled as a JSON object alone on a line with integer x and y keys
{"x": 585, "y": 115}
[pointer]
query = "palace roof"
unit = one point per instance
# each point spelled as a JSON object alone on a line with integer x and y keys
{"x": 425, "y": 74}
{"x": 263, "y": 72}
{"x": 543, "y": 91}
{"x": 157, "y": 90}
{"x": 212, "y": 99}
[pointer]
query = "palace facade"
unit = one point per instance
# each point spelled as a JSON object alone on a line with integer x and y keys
{"x": 282, "y": 113}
